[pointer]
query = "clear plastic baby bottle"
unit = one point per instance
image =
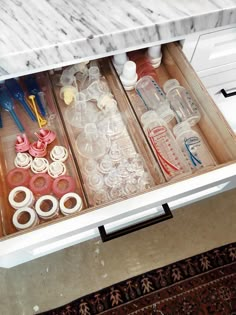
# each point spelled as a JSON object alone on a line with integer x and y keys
{"x": 193, "y": 147}
{"x": 181, "y": 102}
{"x": 154, "y": 98}
{"x": 170, "y": 157}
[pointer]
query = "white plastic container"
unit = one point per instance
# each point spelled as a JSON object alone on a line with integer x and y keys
{"x": 193, "y": 147}
{"x": 181, "y": 102}
{"x": 167, "y": 151}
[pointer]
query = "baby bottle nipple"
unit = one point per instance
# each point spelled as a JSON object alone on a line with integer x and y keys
{"x": 90, "y": 144}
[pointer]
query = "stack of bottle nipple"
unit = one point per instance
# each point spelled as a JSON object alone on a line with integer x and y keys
{"x": 179, "y": 150}
{"x": 40, "y": 186}
{"x": 110, "y": 164}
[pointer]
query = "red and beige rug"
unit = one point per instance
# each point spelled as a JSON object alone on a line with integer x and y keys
{"x": 204, "y": 284}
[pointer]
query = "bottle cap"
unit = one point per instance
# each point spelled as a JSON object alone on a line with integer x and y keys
{"x": 155, "y": 55}
{"x": 18, "y": 177}
{"x": 118, "y": 61}
{"x": 129, "y": 76}
{"x": 28, "y": 199}
{"x": 32, "y": 221}
{"x": 39, "y": 165}
{"x": 38, "y": 149}
{"x": 41, "y": 184}
{"x": 170, "y": 85}
{"x": 56, "y": 169}
{"x": 22, "y": 143}
{"x": 59, "y": 153}
{"x": 46, "y": 136}
{"x": 52, "y": 210}
{"x": 23, "y": 160}
{"x": 77, "y": 207}
{"x": 63, "y": 185}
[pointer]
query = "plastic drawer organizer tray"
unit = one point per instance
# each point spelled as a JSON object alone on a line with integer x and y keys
{"x": 8, "y": 139}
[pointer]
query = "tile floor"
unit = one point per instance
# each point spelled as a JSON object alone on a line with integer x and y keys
{"x": 68, "y": 274}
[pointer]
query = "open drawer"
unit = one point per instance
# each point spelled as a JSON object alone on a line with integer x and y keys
{"x": 108, "y": 220}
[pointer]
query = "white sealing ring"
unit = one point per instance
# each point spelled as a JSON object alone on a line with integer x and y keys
{"x": 77, "y": 207}
{"x": 56, "y": 169}
{"x": 59, "y": 153}
{"x": 39, "y": 165}
{"x": 51, "y": 212}
{"x": 33, "y": 220}
{"x": 26, "y": 202}
{"x": 23, "y": 160}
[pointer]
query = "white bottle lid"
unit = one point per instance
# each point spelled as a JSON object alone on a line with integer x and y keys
{"x": 129, "y": 76}
{"x": 78, "y": 203}
{"x": 51, "y": 212}
{"x": 56, "y": 169}
{"x": 120, "y": 59}
{"x": 26, "y": 202}
{"x": 59, "y": 153}
{"x": 155, "y": 55}
{"x": 33, "y": 219}
{"x": 39, "y": 165}
{"x": 23, "y": 160}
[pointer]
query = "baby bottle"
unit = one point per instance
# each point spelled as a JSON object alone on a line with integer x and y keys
{"x": 154, "y": 98}
{"x": 193, "y": 146}
{"x": 170, "y": 157}
{"x": 181, "y": 102}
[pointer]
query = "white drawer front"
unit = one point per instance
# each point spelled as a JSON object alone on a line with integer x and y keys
{"x": 215, "y": 49}
{"x": 226, "y": 103}
{"x": 26, "y": 247}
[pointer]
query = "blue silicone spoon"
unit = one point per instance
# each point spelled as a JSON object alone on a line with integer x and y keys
{"x": 7, "y": 104}
{"x": 33, "y": 88}
{"x": 18, "y": 94}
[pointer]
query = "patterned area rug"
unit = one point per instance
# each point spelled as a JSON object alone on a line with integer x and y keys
{"x": 204, "y": 284}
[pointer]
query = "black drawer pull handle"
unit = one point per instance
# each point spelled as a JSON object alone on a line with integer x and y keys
{"x": 132, "y": 228}
{"x": 227, "y": 94}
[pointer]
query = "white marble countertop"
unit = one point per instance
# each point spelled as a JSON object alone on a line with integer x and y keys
{"x": 38, "y": 35}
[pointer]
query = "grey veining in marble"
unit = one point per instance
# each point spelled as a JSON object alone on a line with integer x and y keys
{"x": 37, "y": 35}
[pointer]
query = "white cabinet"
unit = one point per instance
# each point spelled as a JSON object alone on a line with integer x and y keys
{"x": 215, "y": 49}
{"x": 222, "y": 88}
